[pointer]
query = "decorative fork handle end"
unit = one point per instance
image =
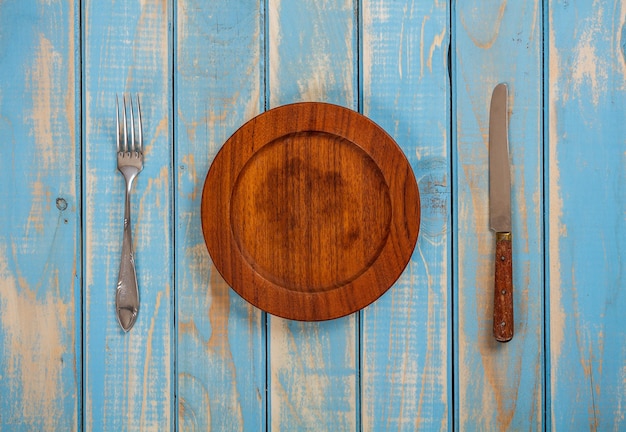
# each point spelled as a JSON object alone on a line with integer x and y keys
{"x": 127, "y": 294}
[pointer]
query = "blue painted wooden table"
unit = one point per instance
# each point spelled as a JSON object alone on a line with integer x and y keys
{"x": 421, "y": 357}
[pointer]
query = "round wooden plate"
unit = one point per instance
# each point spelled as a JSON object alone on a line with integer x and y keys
{"x": 310, "y": 211}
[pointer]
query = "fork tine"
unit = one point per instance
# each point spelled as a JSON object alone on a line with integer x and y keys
{"x": 125, "y": 127}
{"x": 132, "y": 126}
{"x": 117, "y": 123}
{"x": 139, "y": 127}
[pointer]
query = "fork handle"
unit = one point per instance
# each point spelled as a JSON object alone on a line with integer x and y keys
{"x": 127, "y": 294}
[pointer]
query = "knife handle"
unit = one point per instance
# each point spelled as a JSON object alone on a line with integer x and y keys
{"x": 503, "y": 295}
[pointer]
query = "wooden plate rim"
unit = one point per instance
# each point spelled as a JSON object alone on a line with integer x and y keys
{"x": 262, "y": 293}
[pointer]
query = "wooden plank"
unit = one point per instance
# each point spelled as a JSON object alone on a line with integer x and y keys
{"x": 128, "y": 377}
{"x": 313, "y": 366}
{"x": 587, "y": 210}
{"x": 221, "y": 338}
{"x": 406, "y": 347}
{"x": 40, "y": 263}
{"x": 499, "y": 386}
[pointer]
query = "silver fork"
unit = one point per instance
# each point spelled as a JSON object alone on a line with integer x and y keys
{"x": 130, "y": 164}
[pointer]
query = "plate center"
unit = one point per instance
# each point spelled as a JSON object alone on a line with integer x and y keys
{"x": 310, "y": 211}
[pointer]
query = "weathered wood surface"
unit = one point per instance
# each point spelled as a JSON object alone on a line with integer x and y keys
{"x": 586, "y": 198}
{"x": 218, "y": 75}
{"x": 405, "y": 343}
{"x": 128, "y": 377}
{"x": 423, "y": 356}
{"x": 40, "y": 214}
{"x": 499, "y": 386}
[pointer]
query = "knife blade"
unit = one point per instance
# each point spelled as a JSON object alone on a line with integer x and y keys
{"x": 500, "y": 213}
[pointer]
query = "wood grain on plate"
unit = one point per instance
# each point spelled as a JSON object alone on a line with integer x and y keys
{"x": 310, "y": 211}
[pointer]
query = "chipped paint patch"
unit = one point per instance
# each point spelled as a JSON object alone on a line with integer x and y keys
{"x": 589, "y": 69}
{"x": 303, "y": 392}
{"x": 45, "y": 69}
{"x": 473, "y": 19}
{"x": 275, "y": 36}
{"x": 620, "y": 413}
{"x": 146, "y": 417}
{"x": 188, "y": 169}
{"x": 622, "y": 39}
{"x": 219, "y": 313}
{"x": 316, "y": 75}
{"x": 555, "y": 206}
{"x": 438, "y": 40}
{"x": 435, "y": 369}
{"x": 33, "y": 329}
{"x": 40, "y": 204}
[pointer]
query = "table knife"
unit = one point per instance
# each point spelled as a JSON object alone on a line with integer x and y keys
{"x": 500, "y": 213}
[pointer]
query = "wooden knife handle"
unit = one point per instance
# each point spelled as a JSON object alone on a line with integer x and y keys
{"x": 503, "y": 296}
